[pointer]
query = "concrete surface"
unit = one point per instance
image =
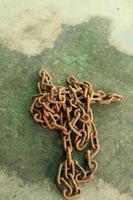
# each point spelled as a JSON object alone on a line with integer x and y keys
{"x": 91, "y": 40}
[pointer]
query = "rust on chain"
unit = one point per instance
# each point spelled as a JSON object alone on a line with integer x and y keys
{"x": 68, "y": 109}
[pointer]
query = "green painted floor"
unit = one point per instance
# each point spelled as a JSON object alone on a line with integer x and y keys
{"x": 29, "y": 154}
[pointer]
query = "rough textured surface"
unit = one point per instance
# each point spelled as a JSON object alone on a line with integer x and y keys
{"x": 30, "y": 155}
{"x": 30, "y": 27}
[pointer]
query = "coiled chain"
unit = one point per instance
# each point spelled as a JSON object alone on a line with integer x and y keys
{"x": 68, "y": 109}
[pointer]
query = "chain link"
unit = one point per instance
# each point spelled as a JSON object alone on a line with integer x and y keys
{"x": 68, "y": 109}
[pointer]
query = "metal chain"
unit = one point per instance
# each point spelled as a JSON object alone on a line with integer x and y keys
{"x": 68, "y": 109}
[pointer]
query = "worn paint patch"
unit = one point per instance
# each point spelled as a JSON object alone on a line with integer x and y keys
{"x": 102, "y": 190}
{"x": 83, "y": 51}
{"x": 13, "y": 188}
{"x": 31, "y": 31}
{"x": 30, "y": 27}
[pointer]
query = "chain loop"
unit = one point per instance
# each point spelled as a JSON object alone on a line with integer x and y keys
{"x": 68, "y": 109}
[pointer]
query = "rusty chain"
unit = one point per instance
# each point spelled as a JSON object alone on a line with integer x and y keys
{"x": 68, "y": 109}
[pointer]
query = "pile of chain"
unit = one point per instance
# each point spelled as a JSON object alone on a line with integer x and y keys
{"x": 68, "y": 110}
